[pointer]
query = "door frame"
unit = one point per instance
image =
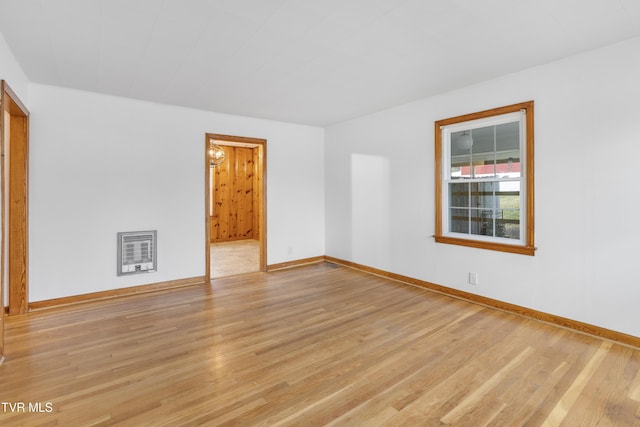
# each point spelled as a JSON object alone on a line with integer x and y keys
{"x": 238, "y": 141}
{"x": 15, "y": 191}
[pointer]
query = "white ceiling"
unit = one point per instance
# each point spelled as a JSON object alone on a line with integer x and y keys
{"x": 315, "y": 62}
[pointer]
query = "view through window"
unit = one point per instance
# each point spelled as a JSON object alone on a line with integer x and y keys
{"x": 484, "y": 165}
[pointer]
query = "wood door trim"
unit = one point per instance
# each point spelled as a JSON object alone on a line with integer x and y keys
{"x": 207, "y": 219}
{"x": 231, "y": 138}
{"x": 262, "y": 200}
{"x": 18, "y": 193}
{"x": 16, "y": 107}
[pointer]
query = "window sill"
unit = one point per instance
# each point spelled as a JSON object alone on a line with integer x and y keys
{"x": 502, "y": 247}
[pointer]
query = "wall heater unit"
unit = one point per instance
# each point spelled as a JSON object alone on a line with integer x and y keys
{"x": 137, "y": 252}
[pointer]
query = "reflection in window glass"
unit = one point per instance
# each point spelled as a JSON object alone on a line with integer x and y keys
{"x": 482, "y": 222}
{"x": 459, "y": 194}
{"x": 459, "y": 220}
{"x": 486, "y": 152}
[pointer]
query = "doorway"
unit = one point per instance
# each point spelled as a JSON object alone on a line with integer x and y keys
{"x": 14, "y": 145}
{"x": 235, "y": 194}
{"x": 15, "y": 185}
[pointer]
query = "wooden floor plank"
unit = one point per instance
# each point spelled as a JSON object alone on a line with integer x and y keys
{"x": 476, "y": 396}
{"x": 560, "y": 411}
{"x": 313, "y": 345}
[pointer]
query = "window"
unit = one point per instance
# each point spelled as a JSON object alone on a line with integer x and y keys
{"x": 484, "y": 179}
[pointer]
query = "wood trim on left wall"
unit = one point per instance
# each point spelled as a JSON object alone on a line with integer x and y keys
{"x": 14, "y": 142}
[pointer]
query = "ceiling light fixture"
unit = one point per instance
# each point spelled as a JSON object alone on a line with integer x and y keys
{"x": 465, "y": 141}
{"x": 216, "y": 155}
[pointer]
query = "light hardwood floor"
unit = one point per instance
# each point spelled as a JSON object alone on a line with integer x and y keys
{"x": 309, "y": 346}
{"x": 235, "y": 257}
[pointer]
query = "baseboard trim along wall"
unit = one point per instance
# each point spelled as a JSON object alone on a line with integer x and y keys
{"x": 133, "y": 290}
{"x": 296, "y": 263}
{"x": 564, "y": 322}
{"x": 575, "y": 325}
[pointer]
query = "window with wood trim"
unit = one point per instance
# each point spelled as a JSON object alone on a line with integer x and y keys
{"x": 484, "y": 179}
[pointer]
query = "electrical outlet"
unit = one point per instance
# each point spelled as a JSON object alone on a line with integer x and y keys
{"x": 473, "y": 278}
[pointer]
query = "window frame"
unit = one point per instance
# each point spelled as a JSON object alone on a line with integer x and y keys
{"x": 525, "y": 245}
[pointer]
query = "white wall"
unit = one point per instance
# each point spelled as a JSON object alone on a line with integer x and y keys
{"x": 103, "y": 164}
{"x": 11, "y": 72}
{"x": 587, "y": 143}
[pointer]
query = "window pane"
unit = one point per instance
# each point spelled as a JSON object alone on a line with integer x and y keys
{"x": 459, "y": 220}
{"x": 508, "y": 149}
{"x": 508, "y": 199}
{"x": 482, "y": 195}
{"x": 482, "y": 222}
{"x": 509, "y": 225}
{"x": 461, "y": 143}
{"x": 508, "y": 195}
{"x": 508, "y": 215}
{"x": 483, "y": 170}
{"x": 482, "y": 152}
{"x": 459, "y": 194}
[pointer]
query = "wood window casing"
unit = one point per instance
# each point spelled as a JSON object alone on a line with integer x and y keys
{"x": 526, "y": 244}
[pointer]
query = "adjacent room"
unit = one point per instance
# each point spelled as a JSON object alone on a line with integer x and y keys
{"x": 346, "y": 213}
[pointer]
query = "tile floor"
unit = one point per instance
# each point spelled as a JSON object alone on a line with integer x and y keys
{"x": 236, "y": 257}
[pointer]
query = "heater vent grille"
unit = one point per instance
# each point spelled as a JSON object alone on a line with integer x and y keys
{"x": 136, "y": 252}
